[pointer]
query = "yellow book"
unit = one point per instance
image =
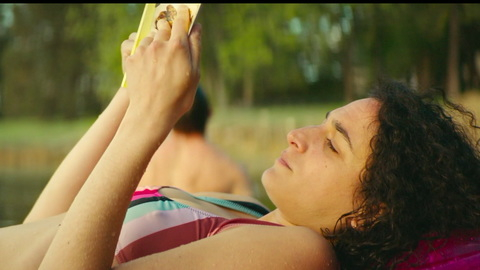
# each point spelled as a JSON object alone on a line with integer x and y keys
{"x": 151, "y": 13}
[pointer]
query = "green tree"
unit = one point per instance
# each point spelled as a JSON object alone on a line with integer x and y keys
{"x": 420, "y": 43}
{"x": 5, "y": 37}
{"x": 114, "y": 24}
{"x": 64, "y": 59}
{"x": 243, "y": 43}
{"x": 43, "y": 69}
{"x": 470, "y": 46}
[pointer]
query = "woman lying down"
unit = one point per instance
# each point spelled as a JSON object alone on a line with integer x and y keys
{"x": 357, "y": 190}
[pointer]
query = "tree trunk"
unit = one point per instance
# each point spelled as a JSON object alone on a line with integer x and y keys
{"x": 347, "y": 71}
{"x": 424, "y": 73}
{"x": 452, "y": 80}
{"x": 213, "y": 83}
{"x": 248, "y": 88}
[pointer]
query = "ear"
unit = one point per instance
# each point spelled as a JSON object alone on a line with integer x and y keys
{"x": 357, "y": 222}
{"x": 354, "y": 223}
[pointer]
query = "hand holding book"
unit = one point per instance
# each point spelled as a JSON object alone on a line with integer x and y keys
{"x": 152, "y": 13}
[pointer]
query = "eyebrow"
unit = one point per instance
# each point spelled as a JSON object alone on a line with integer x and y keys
{"x": 339, "y": 127}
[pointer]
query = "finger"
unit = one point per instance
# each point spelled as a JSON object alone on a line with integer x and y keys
{"x": 181, "y": 24}
{"x": 144, "y": 43}
{"x": 127, "y": 45}
{"x": 126, "y": 48}
{"x": 164, "y": 30}
{"x": 195, "y": 40}
{"x": 132, "y": 36}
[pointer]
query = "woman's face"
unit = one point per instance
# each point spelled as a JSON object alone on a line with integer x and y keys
{"x": 313, "y": 182}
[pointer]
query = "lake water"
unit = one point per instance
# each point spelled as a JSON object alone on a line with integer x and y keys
{"x": 18, "y": 191}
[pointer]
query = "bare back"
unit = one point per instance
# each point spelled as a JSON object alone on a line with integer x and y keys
{"x": 193, "y": 164}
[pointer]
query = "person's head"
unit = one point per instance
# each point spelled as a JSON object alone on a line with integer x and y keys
{"x": 420, "y": 174}
{"x": 195, "y": 120}
{"x": 423, "y": 176}
{"x": 315, "y": 179}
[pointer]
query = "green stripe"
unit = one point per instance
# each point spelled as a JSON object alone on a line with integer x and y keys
{"x": 231, "y": 205}
{"x": 147, "y": 207}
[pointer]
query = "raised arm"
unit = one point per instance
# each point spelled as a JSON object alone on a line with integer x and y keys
{"x": 63, "y": 186}
{"x": 162, "y": 78}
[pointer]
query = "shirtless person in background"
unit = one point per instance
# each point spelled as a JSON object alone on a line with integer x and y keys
{"x": 187, "y": 160}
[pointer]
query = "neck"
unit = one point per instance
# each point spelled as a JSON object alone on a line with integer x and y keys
{"x": 187, "y": 136}
{"x": 276, "y": 216}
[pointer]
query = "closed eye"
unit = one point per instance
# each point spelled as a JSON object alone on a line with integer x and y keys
{"x": 330, "y": 145}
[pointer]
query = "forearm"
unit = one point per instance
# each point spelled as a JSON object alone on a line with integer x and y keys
{"x": 72, "y": 173}
{"x": 162, "y": 78}
{"x": 97, "y": 213}
{"x": 23, "y": 246}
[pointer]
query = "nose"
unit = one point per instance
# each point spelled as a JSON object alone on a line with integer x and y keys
{"x": 302, "y": 138}
{"x": 297, "y": 139}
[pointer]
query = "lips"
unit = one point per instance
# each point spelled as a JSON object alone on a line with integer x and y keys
{"x": 282, "y": 161}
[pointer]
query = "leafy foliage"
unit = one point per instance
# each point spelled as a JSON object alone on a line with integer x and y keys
{"x": 63, "y": 60}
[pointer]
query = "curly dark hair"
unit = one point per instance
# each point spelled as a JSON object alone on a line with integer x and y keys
{"x": 421, "y": 179}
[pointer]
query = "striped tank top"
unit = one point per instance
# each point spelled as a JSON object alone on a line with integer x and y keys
{"x": 155, "y": 223}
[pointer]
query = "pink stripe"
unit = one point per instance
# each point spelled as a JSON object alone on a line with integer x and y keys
{"x": 155, "y": 221}
{"x": 145, "y": 192}
{"x": 168, "y": 239}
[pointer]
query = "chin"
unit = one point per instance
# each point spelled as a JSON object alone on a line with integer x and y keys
{"x": 268, "y": 179}
{"x": 265, "y": 175}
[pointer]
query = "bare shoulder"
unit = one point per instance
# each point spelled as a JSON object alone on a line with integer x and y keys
{"x": 292, "y": 247}
{"x": 312, "y": 250}
{"x": 253, "y": 247}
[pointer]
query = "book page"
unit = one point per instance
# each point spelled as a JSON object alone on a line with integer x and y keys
{"x": 154, "y": 12}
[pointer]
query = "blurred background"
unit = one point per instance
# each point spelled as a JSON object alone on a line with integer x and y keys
{"x": 267, "y": 68}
